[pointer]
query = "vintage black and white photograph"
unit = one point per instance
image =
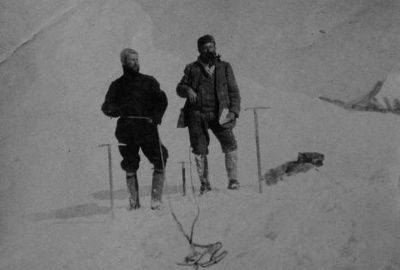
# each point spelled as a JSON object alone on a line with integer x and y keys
{"x": 200, "y": 134}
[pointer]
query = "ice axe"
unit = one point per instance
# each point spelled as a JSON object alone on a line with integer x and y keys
{"x": 183, "y": 177}
{"x": 255, "y": 109}
{"x": 110, "y": 177}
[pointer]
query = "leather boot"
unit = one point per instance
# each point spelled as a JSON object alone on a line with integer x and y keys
{"x": 202, "y": 171}
{"x": 133, "y": 188}
{"x": 231, "y": 169}
{"x": 157, "y": 189}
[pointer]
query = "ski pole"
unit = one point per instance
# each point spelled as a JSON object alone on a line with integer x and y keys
{"x": 257, "y": 143}
{"x": 110, "y": 177}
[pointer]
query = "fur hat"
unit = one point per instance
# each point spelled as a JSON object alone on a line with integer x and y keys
{"x": 204, "y": 40}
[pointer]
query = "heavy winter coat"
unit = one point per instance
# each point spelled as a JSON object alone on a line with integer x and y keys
{"x": 135, "y": 95}
{"x": 226, "y": 89}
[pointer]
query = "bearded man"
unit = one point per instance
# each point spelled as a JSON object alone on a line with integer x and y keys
{"x": 212, "y": 102}
{"x": 140, "y": 104}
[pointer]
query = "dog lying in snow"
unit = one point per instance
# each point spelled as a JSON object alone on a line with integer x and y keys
{"x": 305, "y": 162}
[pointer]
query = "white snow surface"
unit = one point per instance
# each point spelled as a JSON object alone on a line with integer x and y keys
{"x": 343, "y": 216}
{"x": 57, "y": 63}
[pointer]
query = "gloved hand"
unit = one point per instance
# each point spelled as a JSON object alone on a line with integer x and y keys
{"x": 111, "y": 111}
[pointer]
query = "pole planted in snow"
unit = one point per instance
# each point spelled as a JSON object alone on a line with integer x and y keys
{"x": 183, "y": 177}
{"x": 110, "y": 177}
{"x": 255, "y": 109}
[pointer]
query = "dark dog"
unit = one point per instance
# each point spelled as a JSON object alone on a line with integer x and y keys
{"x": 305, "y": 162}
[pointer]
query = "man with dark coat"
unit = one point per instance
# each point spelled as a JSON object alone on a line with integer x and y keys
{"x": 212, "y": 102}
{"x": 140, "y": 104}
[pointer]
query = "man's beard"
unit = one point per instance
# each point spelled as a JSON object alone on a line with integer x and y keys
{"x": 131, "y": 70}
{"x": 209, "y": 57}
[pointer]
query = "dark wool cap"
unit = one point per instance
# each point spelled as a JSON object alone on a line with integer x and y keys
{"x": 205, "y": 39}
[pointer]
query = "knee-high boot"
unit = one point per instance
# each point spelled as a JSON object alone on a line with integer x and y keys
{"x": 202, "y": 171}
{"x": 157, "y": 188}
{"x": 133, "y": 188}
{"x": 231, "y": 169}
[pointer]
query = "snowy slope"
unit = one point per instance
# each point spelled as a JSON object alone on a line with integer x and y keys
{"x": 344, "y": 216}
{"x": 57, "y": 63}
